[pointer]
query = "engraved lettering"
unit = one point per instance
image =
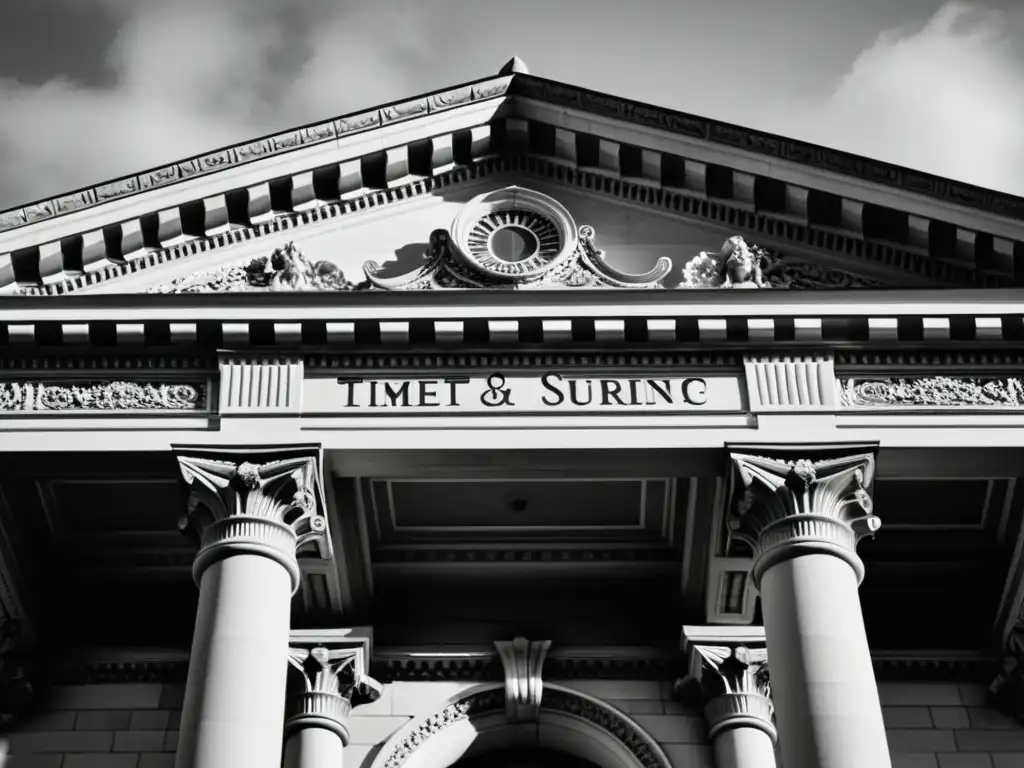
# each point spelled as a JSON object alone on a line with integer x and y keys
{"x": 547, "y": 381}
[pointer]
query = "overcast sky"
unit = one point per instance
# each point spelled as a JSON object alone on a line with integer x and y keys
{"x": 92, "y": 89}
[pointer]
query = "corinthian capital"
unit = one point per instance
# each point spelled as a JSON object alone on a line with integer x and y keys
{"x": 796, "y": 507}
{"x": 330, "y": 676}
{"x": 731, "y": 666}
{"x": 263, "y": 504}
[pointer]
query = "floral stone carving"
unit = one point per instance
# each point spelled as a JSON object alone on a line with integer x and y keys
{"x": 936, "y": 391}
{"x": 739, "y": 265}
{"x": 101, "y": 396}
{"x": 286, "y": 269}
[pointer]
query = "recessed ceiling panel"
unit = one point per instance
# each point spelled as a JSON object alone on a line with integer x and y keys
{"x": 410, "y": 511}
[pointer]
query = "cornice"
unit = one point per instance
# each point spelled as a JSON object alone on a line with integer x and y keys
{"x": 515, "y": 86}
{"x": 768, "y": 145}
{"x": 323, "y": 132}
{"x": 425, "y": 664}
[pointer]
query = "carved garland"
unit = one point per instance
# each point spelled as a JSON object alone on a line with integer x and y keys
{"x": 936, "y": 391}
{"x": 101, "y": 396}
{"x": 555, "y": 699}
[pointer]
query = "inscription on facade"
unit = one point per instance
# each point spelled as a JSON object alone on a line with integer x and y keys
{"x": 499, "y": 393}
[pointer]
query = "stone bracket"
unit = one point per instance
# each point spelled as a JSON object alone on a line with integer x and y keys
{"x": 523, "y": 661}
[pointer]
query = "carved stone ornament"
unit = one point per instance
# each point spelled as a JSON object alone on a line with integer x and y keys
{"x": 330, "y": 679}
{"x": 286, "y": 269}
{"x": 738, "y": 265}
{"x": 644, "y": 749}
{"x": 39, "y": 396}
{"x": 738, "y": 689}
{"x": 811, "y": 505}
{"x": 515, "y": 238}
{"x": 523, "y": 661}
{"x": 270, "y": 509}
{"x": 935, "y": 391}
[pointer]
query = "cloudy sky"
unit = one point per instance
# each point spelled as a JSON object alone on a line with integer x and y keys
{"x": 91, "y": 89}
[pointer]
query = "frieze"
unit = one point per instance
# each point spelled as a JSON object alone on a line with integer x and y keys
{"x": 26, "y": 396}
{"x": 932, "y": 391}
{"x": 545, "y": 360}
{"x": 98, "y": 363}
{"x": 172, "y": 667}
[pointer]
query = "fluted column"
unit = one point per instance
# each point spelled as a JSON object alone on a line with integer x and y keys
{"x": 731, "y": 665}
{"x": 803, "y": 520}
{"x": 316, "y": 728}
{"x": 251, "y": 518}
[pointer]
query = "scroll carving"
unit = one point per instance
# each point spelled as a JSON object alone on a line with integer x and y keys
{"x": 101, "y": 396}
{"x": 936, "y": 391}
{"x": 585, "y": 268}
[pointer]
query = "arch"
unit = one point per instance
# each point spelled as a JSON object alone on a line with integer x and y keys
{"x": 475, "y": 722}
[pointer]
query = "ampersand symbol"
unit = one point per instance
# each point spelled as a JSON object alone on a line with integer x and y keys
{"x": 496, "y": 393}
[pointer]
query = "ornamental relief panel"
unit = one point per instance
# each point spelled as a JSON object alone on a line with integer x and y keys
{"x": 932, "y": 391}
{"x": 37, "y": 396}
{"x": 514, "y": 239}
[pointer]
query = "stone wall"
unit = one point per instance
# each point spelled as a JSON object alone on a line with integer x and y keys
{"x": 134, "y": 725}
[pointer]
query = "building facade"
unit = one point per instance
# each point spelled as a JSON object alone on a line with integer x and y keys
{"x": 513, "y": 424}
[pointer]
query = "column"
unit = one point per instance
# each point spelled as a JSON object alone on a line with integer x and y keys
{"x": 316, "y": 729}
{"x": 250, "y": 519}
{"x": 731, "y": 665}
{"x": 803, "y": 520}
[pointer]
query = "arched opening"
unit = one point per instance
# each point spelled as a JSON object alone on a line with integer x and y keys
{"x": 524, "y": 758}
{"x": 474, "y": 729}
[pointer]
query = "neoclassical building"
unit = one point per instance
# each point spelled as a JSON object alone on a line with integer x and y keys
{"x": 513, "y": 425}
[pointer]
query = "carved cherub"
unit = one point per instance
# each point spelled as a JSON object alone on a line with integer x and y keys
{"x": 736, "y": 265}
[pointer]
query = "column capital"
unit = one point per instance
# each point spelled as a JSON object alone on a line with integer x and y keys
{"x": 731, "y": 666}
{"x": 268, "y": 503}
{"x": 793, "y": 507}
{"x": 523, "y": 661}
{"x": 332, "y": 666}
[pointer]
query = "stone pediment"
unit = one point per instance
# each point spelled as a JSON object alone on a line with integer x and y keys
{"x": 511, "y": 238}
{"x": 808, "y": 218}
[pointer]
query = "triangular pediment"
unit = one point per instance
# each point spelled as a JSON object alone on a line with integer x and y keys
{"x": 427, "y": 243}
{"x": 652, "y": 185}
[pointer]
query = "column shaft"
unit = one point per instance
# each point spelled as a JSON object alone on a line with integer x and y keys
{"x": 824, "y": 690}
{"x": 313, "y": 748}
{"x": 743, "y": 748}
{"x": 234, "y": 698}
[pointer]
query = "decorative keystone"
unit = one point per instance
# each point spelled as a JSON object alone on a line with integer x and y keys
{"x": 268, "y": 508}
{"x": 731, "y": 666}
{"x": 789, "y": 508}
{"x": 523, "y": 661}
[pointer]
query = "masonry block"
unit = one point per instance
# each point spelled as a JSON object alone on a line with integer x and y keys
{"x": 915, "y": 760}
{"x": 150, "y": 720}
{"x": 374, "y": 730}
{"x": 107, "y": 696}
{"x": 61, "y": 741}
{"x": 139, "y": 741}
{"x": 103, "y": 720}
{"x": 689, "y": 755}
{"x": 919, "y": 694}
{"x": 907, "y": 717}
{"x": 674, "y": 729}
{"x": 965, "y": 760}
{"x": 950, "y": 717}
{"x": 123, "y": 760}
{"x": 920, "y": 740}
